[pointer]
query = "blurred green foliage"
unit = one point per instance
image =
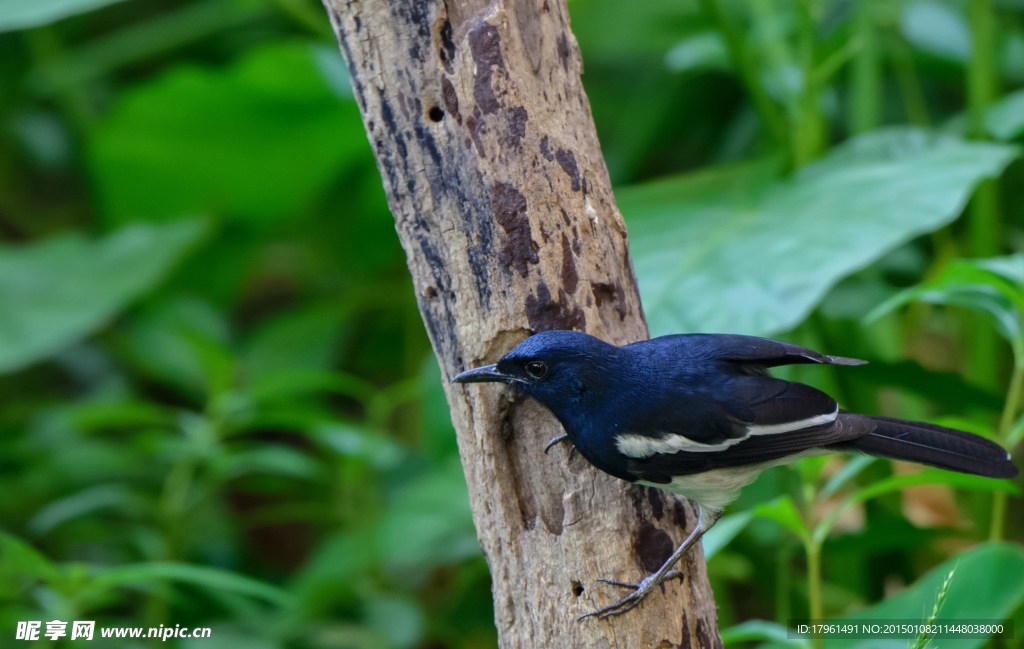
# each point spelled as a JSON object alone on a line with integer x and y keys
{"x": 218, "y": 406}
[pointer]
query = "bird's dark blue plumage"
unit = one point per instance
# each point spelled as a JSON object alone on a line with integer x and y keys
{"x": 700, "y": 415}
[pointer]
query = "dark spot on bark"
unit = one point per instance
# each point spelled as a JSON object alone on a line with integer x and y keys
{"x": 611, "y": 294}
{"x": 520, "y": 483}
{"x": 509, "y": 207}
{"x": 357, "y": 85}
{"x": 411, "y": 185}
{"x": 636, "y": 496}
{"x": 576, "y": 246}
{"x": 516, "y": 120}
{"x": 632, "y": 281}
{"x": 685, "y": 644}
{"x": 657, "y": 504}
{"x": 546, "y": 152}
{"x": 435, "y": 114}
{"x": 387, "y": 113}
{"x": 567, "y": 161}
{"x": 569, "y": 276}
{"x": 544, "y": 314}
{"x": 468, "y": 143}
{"x": 563, "y": 50}
{"x": 414, "y": 52}
{"x": 359, "y": 24}
{"x": 652, "y": 546}
{"x": 589, "y": 301}
{"x": 370, "y": 125}
{"x": 678, "y": 513}
{"x": 451, "y": 99}
{"x": 485, "y": 44}
{"x": 401, "y": 104}
{"x": 475, "y": 124}
{"x": 577, "y": 588}
{"x": 703, "y": 638}
{"x": 430, "y": 292}
{"x": 565, "y": 216}
{"x": 544, "y": 234}
{"x": 447, "y": 52}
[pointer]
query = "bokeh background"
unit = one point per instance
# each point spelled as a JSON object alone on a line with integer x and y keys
{"x": 218, "y": 406}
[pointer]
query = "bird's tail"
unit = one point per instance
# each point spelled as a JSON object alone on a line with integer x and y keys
{"x": 945, "y": 448}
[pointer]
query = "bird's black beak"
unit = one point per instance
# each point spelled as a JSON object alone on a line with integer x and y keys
{"x": 485, "y": 374}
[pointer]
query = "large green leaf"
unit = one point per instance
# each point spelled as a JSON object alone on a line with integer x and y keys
{"x": 734, "y": 250}
{"x": 989, "y": 585}
{"x": 59, "y": 291}
{"x": 205, "y": 576}
{"x": 992, "y": 287}
{"x": 25, "y": 14}
{"x": 257, "y": 140}
{"x": 1005, "y": 118}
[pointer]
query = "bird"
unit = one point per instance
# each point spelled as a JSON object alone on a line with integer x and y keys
{"x": 700, "y": 415}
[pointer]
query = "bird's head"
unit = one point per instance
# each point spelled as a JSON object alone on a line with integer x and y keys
{"x": 564, "y": 370}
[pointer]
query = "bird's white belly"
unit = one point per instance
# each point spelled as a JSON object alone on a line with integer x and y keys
{"x": 717, "y": 488}
{"x": 712, "y": 489}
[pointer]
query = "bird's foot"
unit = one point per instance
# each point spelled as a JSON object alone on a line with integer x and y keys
{"x": 640, "y": 591}
{"x": 555, "y": 440}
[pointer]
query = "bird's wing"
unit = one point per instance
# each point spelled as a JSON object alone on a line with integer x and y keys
{"x": 719, "y": 419}
{"x": 766, "y": 353}
{"x": 755, "y": 450}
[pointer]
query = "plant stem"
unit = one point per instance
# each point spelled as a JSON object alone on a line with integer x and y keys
{"x": 748, "y": 70}
{"x": 814, "y": 586}
{"x": 865, "y": 72}
{"x": 1013, "y": 398}
{"x": 808, "y": 132}
{"x": 902, "y": 60}
{"x": 981, "y": 89}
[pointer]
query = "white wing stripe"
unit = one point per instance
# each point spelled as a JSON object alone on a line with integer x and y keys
{"x": 641, "y": 446}
{"x": 790, "y": 426}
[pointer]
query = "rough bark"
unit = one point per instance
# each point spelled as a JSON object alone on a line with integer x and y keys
{"x": 487, "y": 149}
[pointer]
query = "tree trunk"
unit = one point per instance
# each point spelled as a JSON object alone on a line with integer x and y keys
{"x": 492, "y": 168}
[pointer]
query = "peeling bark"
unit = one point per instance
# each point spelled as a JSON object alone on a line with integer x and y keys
{"x": 487, "y": 149}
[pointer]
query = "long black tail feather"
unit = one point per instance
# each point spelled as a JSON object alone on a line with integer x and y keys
{"x": 945, "y": 448}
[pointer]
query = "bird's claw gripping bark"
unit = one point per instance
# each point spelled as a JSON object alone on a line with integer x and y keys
{"x": 629, "y": 602}
{"x": 553, "y": 441}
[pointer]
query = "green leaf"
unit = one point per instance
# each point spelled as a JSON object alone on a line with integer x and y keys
{"x": 57, "y": 292}
{"x": 732, "y": 250}
{"x": 26, "y": 14}
{"x": 359, "y": 441}
{"x": 19, "y": 558}
{"x": 271, "y": 459}
{"x": 430, "y": 522}
{"x": 849, "y": 471}
{"x": 899, "y": 482}
{"x": 938, "y": 29}
{"x": 784, "y": 512}
{"x": 989, "y": 286}
{"x": 762, "y": 630}
{"x": 703, "y": 51}
{"x": 76, "y": 505}
{"x": 1005, "y": 118}
{"x": 1015, "y": 434}
{"x": 948, "y": 388}
{"x": 205, "y": 576}
{"x": 723, "y": 532}
{"x": 989, "y": 585}
{"x": 257, "y": 140}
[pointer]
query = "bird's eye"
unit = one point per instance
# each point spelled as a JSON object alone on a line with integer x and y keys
{"x": 536, "y": 369}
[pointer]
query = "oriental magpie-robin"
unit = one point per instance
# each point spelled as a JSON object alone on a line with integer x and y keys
{"x": 700, "y": 415}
